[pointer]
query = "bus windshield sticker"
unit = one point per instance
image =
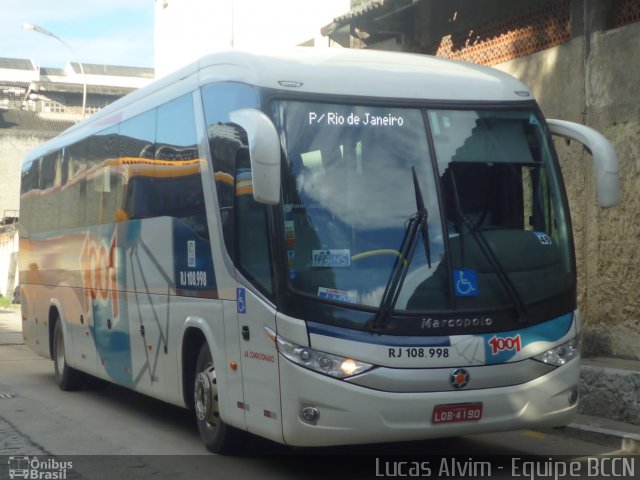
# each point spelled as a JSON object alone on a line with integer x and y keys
{"x": 191, "y": 253}
{"x": 242, "y": 300}
{"x": 289, "y": 232}
{"x": 291, "y": 261}
{"x": 288, "y": 208}
{"x": 545, "y": 238}
{"x": 338, "y": 295}
{"x": 466, "y": 283}
{"x": 331, "y": 258}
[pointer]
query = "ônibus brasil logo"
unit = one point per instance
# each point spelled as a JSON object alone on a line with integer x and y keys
{"x": 33, "y": 468}
{"x": 499, "y": 344}
{"x": 99, "y": 272}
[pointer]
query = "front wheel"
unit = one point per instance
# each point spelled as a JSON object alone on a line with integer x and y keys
{"x": 68, "y": 378}
{"x": 217, "y": 436}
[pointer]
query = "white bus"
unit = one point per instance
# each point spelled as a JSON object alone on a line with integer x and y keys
{"x": 320, "y": 247}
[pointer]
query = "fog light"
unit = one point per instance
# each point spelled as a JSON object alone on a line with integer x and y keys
{"x": 310, "y": 414}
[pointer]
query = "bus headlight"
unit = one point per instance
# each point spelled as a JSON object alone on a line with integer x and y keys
{"x": 561, "y": 354}
{"x": 321, "y": 362}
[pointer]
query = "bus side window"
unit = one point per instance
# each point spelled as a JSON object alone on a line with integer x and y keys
{"x": 110, "y": 181}
{"x": 49, "y": 210}
{"x": 29, "y": 187}
{"x": 95, "y": 181}
{"x": 179, "y": 191}
{"x": 224, "y": 142}
{"x": 135, "y": 144}
{"x": 75, "y": 192}
{"x": 252, "y": 238}
{"x": 225, "y": 138}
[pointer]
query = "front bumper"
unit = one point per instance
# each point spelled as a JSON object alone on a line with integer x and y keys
{"x": 351, "y": 414}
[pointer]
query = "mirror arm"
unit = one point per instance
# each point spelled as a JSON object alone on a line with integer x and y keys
{"x": 604, "y": 157}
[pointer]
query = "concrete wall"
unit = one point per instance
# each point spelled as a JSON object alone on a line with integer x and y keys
{"x": 8, "y": 260}
{"x": 593, "y": 79}
{"x": 14, "y": 146}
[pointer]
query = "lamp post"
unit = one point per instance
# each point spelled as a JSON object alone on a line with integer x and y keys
{"x": 44, "y": 31}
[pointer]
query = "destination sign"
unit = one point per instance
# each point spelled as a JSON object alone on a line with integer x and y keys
{"x": 365, "y": 119}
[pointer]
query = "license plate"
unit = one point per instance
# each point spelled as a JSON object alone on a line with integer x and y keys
{"x": 457, "y": 412}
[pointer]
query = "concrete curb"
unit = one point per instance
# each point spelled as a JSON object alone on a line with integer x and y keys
{"x": 619, "y": 435}
{"x": 610, "y": 388}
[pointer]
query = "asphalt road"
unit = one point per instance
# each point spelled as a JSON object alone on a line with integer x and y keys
{"x": 116, "y": 433}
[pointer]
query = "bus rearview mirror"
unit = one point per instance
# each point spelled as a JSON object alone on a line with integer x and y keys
{"x": 264, "y": 151}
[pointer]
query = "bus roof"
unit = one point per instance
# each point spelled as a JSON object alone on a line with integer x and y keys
{"x": 332, "y": 71}
{"x": 372, "y": 73}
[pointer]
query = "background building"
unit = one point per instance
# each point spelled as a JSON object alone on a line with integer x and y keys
{"x": 186, "y": 30}
{"x": 35, "y": 105}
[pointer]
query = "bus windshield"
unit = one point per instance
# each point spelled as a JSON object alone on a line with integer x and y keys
{"x": 497, "y": 232}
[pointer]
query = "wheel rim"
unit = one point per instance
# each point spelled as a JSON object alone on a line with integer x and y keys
{"x": 60, "y": 350}
{"x": 206, "y": 397}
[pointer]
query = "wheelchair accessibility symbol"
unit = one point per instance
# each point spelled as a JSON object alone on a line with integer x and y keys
{"x": 466, "y": 283}
{"x": 242, "y": 300}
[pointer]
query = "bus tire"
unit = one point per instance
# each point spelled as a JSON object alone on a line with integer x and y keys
{"x": 68, "y": 378}
{"x": 217, "y": 436}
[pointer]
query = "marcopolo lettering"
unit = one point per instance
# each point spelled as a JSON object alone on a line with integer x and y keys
{"x": 428, "y": 323}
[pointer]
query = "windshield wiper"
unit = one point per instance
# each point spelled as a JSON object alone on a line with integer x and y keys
{"x": 417, "y": 226}
{"x": 489, "y": 254}
{"x": 502, "y": 275}
{"x": 423, "y": 214}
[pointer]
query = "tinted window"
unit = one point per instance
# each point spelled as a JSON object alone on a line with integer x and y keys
{"x": 29, "y": 187}
{"x": 137, "y": 147}
{"x": 253, "y": 255}
{"x": 177, "y": 182}
{"x": 48, "y": 209}
{"x": 109, "y": 179}
{"x": 137, "y": 136}
{"x": 244, "y": 221}
{"x": 176, "y": 187}
{"x": 73, "y": 192}
{"x": 225, "y": 140}
{"x": 176, "y": 137}
{"x": 30, "y": 176}
{"x": 48, "y": 171}
{"x": 76, "y": 188}
{"x": 95, "y": 180}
